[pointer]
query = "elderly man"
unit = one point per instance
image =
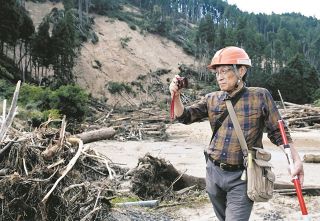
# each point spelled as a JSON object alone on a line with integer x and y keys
{"x": 255, "y": 110}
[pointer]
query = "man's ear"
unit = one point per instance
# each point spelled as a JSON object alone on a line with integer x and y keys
{"x": 243, "y": 71}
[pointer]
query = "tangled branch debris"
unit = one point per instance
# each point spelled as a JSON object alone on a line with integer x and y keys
{"x": 155, "y": 178}
{"x": 73, "y": 183}
{"x": 45, "y": 175}
{"x": 301, "y": 116}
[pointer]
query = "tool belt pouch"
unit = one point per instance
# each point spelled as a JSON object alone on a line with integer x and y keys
{"x": 260, "y": 176}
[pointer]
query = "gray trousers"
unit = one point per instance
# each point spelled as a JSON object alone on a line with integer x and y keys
{"x": 228, "y": 194}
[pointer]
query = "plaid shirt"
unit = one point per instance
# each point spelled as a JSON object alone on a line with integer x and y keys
{"x": 255, "y": 111}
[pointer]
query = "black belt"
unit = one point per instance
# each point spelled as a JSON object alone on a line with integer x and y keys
{"x": 225, "y": 166}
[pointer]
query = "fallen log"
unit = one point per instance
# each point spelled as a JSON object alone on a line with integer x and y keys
{"x": 311, "y": 158}
{"x": 95, "y": 135}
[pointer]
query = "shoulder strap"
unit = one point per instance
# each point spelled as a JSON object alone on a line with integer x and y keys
{"x": 237, "y": 127}
{"x": 223, "y": 116}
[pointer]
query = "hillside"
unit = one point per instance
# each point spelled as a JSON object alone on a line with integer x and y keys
{"x": 143, "y": 53}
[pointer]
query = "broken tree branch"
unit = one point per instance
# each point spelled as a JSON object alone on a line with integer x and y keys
{"x": 12, "y": 111}
{"x": 69, "y": 166}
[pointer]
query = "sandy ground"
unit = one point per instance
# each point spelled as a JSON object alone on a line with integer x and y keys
{"x": 184, "y": 150}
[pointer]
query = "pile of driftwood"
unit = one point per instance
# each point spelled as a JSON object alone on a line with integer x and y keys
{"x": 138, "y": 124}
{"x": 301, "y": 116}
{"x": 139, "y": 116}
{"x": 45, "y": 175}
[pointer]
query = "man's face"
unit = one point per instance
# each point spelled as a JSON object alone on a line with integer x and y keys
{"x": 226, "y": 77}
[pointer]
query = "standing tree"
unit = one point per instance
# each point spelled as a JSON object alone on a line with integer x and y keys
{"x": 66, "y": 43}
{"x": 41, "y": 50}
{"x": 297, "y": 82}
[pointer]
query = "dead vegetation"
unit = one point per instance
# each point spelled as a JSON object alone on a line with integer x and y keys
{"x": 45, "y": 179}
{"x": 47, "y": 174}
{"x": 154, "y": 178}
{"x": 301, "y": 117}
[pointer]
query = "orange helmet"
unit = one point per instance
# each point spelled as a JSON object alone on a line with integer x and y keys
{"x": 230, "y": 55}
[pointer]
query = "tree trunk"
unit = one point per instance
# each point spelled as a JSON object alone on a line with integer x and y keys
{"x": 87, "y": 10}
{"x": 311, "y": 158}
{"x": 95, "y": 135}
{"x": 80, "y": 12}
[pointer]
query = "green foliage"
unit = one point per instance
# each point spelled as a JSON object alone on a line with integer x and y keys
{"x": 5, "y": 74}
{"x": 157, "y": 22}
{"x": 36, "y": 117}
{"x": 41, "y": 1}
{"x": 317, "y": 103}
{"x": 205, "y": 37}
{"x": 6, "y": 89}
{"x": 316, "y": 95}
{"x": 68, "y": 4}
{"x": 42, "y": 46}
{"x": 10, "y": 21}
{"x": 71, "y": 101}
{"x": 15, "y": 22}
{"x": 124, "y": 41}
{"x": 68, "y": 100}
{"x": 133, "y": 27}
{"x": 102, "y": 7}
{"x": 118, "y": 88}
{"x": 94, "y": 38}
{"x": 33, "y": 117}
{"x": 35, "y": 97}
{"x": 52, "y": 114}
{"x": 297, "y": 82}
{"x": 66, "y": 43}
{"x": 9, "y": 70}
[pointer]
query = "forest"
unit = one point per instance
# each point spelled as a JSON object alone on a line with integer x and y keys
{"x": 284, "y": 48}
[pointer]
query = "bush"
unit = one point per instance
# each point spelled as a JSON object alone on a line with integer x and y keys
{"x": 94, "y": 38}
{"x": 6, "y": 89}
{"x": 316, "y": 95}
{"x": 34, "y": 97}
{"x": 117, "y": 88}
{"x": 124, "y": 41}
{"x": 133, "y": 27}
{"x": 33, "y": 117}
{"x": 71, "y": 101}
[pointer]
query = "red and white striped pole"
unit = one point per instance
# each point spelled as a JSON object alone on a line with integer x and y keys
{"x": 296, "y": 180}
{"x": 172, "y": 106}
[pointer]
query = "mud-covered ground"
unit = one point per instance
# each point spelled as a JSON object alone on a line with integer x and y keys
{"x": 184, "y": 150}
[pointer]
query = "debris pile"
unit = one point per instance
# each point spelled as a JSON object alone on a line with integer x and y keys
{"x": 155, "y": 178}
{"x": 140, "y": 124}
{"x": 45, "y": 175}
{"x": 41, "y": 180}
{"x": 301, "y": 116}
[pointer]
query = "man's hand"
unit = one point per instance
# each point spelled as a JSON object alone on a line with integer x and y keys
{"x": 298, "y": 166}
{"x": 174, "y": 89}
{"x": 176, "y": 104}
{"x": 298, "y": 171}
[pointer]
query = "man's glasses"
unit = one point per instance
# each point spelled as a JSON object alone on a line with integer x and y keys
{"x": 222, "y": 71}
